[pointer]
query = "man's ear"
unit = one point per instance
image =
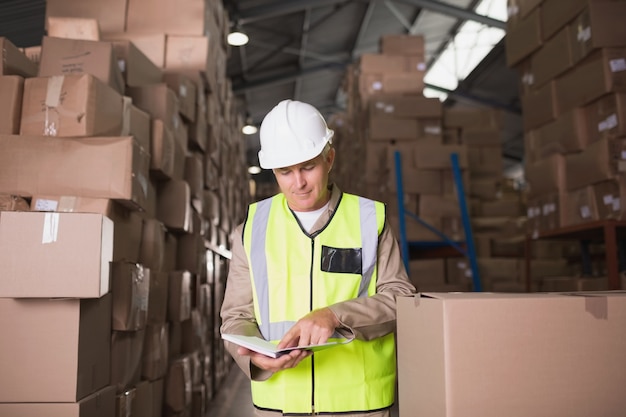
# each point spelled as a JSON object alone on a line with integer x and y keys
{"x": 330, "y": 158}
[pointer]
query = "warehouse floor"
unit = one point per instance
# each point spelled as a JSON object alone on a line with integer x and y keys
{"x": 234, "y": 400}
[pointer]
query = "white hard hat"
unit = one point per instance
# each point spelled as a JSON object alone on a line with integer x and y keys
{"x": 291, "y": 133}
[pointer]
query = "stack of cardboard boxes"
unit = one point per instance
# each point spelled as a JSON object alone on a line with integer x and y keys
{"x": 113, "y": 185}
{"x": 571, "y": 63}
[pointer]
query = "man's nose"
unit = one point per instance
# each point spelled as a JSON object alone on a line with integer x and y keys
{"x": 300, "y": 179}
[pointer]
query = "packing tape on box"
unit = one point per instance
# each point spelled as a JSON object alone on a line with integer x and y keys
{"x": 50, "y": 228}
{"x": 53, "y": 99}
{"x": 126, "y": 105}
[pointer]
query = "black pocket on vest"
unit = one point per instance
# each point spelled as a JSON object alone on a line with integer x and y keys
{"x": 340, "y": 260}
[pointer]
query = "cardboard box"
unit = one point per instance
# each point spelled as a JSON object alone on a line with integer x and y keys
{"x": 152, "y": 45}
{"x": 185, "y": 90}
{"x": 99, "y": 167}
{"x": 603, "y": 72}
{"x": 179, "y": 298}
{"x": 385, "y": 128}
{"x": 556, "y": 14}
{"x": 163, "y": 151}
{"x": 419, "y": 181}
{"x": 152, "y": 244}
{"x": 566, "y": 134}
{"x": 375, "y": 63}
{"x": 439, "y": 156}
{"x": 177, "y": 396}
{"x": 73, "y": 28}
{"x": 540, "y": 106}
{"x": 52, "y": 239}
{"x": 142, "y": 403}
{"x": 598, "y": 162}
{"x": 155, "y": 352}
{"x": 190, "y": 53}
{"x": 553, "y": 59}
{"x": 136, "y": 123}
{"x": 606, "y": 117}
{"x": 598, "y": 26}
{"x": 14, "y": 62}
{"x": 126, "y": 358}
{"x": 547, "y": 175}
{"x": 524, "y": 38}
{"x": 158, "y": 301}
{"x": 447, "y": 368}
{"x": 161, "y": 103}
{"x": 127, "y": 224}
{"x": 111, "y": 15}
{"x": 188, "y": 17}
{"x": 485, "y": 160}
{"x": 462, "y": 117}
{"x": 136, "y": 67}
{"x": 405, "y": 106}
{"x": 130, "y": 286}
{"x": 191, "y": 253}
{"x": 70, "y": 106}
{"x": 59, "y": 349}
{"x": 174, "y": 205}
{"x": 402, "y": 45}
{"x": 11, "y": 92}
{"x": 99, "y": 404}
{"x": 74, "y": 56}
{"x": 518, "y": 9}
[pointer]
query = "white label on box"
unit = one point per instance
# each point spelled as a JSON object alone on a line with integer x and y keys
{"x": 50, "y": 228}
{"x": 608, "y": 123}
{"x": 122, "y": 64}
{"x": 377, "y": 85}
{"x": 616, "y": 205}
{"x": 617, "y": 65}
{"x": 380, "y": 105}
{"x": 421, "y": 66}
{"x": 433, "y": 130}
{"x": 584, "y": 34}
{"x": 46, "y": 205}
{"x": 623, "y": 154}
{"x": 607, "y": 199}
{"x": 182, "y": 90}
{"x": 585, "y": 212}
{"x": 390, "y": 108}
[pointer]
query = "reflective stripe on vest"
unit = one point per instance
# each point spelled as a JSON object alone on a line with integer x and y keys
{"x": 290, "y": 278}
{"x": 258, "y": 261}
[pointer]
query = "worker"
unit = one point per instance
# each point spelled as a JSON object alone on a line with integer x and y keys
{"x": 312, "y": 265}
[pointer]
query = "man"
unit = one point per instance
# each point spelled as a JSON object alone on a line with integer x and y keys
{"x": 309, "y": 265}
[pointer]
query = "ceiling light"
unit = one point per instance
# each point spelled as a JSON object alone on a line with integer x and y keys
{"x": 237, "y": 38}
{"x": 253, "y": 170}
{"x": 249, "y": 128}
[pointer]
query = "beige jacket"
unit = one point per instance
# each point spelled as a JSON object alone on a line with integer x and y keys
{"x": 367, "y": 318}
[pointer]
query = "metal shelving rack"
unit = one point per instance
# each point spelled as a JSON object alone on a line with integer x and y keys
{"x": 447, "y": 246}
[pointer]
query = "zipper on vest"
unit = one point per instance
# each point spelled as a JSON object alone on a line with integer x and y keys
{"x": 311, "y": 309}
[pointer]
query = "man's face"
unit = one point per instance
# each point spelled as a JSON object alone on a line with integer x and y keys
{"x": 305, "y": 185}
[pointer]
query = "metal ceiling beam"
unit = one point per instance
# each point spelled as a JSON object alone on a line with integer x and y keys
{"x": 458, "y": 12}
{"x": 278, "y": 8}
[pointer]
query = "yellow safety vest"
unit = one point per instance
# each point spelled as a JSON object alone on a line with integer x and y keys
{"x": 294, "y": 273}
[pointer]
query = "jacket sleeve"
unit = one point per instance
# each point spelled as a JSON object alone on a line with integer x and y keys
{"x": 237, "y": 310}
{"x": 375, "y": 316}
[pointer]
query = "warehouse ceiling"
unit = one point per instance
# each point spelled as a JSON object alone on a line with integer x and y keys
{"x": 300, "y": 49}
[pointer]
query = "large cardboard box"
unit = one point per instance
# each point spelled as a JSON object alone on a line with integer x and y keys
{"x": 540, "y": 106}
{"x": 191, "y": 53}
{"x": 70, "y": 106}
{"x": 130, "y": 286}
{"x": 61, "y": 56}
{"x": 598, "y": 26}
{"x": 554, "y": 58}
{"x": 98, "y": 404}
{"x": 606, "y": 117}
{"x": 174, "y": 205}
{"x": 598, "y": 162}
{"x": 524, "y": 38}
{"x": 547, "y": 175}
{"x": 100, "y": 167}
{"x": 556, "y": 14}
{"x": 152, "y": 45}
{"x": 519, "y": 355}
{"x": 54, "y": 350}
{"x": 111, "y": 15}
{"x": 428, "y": 156}
{"x": 386, "y": 128}
{"x": 405, "y": 106}
{"x": 603, "y": 72}
{"x": 136, "y": 67}
{"x": 155, "y": 356}
{"x": 14, "y": 62}
{"x": 185, "y": 90}
{"x": 11, "y": 92}
{"x": 186, "y": 17}
{"x": 126, "y": 358}
{"x": 402, "y": 45}
{"x": 72, "y": 252}
{"x": 567, "y": 134}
